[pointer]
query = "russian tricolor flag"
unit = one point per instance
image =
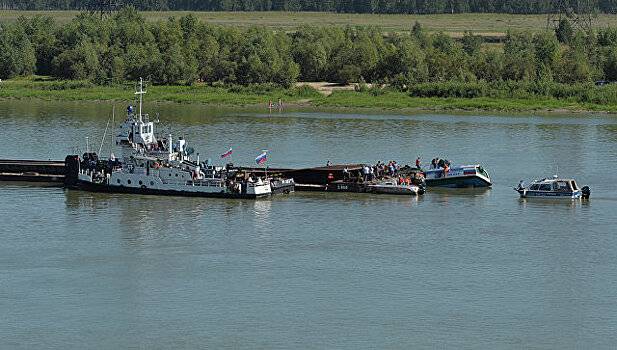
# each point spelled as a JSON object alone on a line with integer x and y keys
{"x": 262, "y": 158}
{"x": 227, "y": 154}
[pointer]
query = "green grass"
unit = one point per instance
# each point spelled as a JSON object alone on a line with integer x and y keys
{"x": 47, "y": 89}
{"x": 402, "y": 101}
{"x": 455, "y": 24}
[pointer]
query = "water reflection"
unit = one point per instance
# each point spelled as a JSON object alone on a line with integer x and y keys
{"x": 549, "y": 205}
{"x": 120, "y": 266}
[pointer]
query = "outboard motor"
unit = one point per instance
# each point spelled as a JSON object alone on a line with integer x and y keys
{"x": 586, "y": 192}
{"x": 71, "y": 166}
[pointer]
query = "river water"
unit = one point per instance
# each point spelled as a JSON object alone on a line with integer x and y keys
{"x": 452, "y": 269}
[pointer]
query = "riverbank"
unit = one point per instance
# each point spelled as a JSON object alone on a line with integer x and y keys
{"x": 297, "y": 97}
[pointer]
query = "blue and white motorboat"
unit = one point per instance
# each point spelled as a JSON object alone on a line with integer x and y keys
{"x": 554, "y": 187}
{"x": 462, "y": 176}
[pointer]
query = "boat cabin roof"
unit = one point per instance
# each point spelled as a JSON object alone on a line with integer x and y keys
{"x": 551, "y": 180}
{"x": 456, "y": 167}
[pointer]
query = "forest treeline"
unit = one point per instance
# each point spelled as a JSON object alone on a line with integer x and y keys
{"x": 184, "y": 50}
{"x": 345, "y": 6}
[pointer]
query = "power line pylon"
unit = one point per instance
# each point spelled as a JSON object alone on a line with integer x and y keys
{"x": 580, "y": 13}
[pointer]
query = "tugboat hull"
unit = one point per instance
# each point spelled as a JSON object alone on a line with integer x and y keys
{"x": 103, "y": 188}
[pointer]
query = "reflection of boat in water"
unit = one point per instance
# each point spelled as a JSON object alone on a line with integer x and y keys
{"x": 553, "y": 188}
{"x": 391, "y": 187}
{"x": 458, "y": 177}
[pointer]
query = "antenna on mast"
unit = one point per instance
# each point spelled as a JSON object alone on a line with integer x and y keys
{"x": 140, "y": 92}
{"x": 111, "y": 135}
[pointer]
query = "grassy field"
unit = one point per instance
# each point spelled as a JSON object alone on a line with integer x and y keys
{"x": 299, "y": 97}
{"x": 485, "y": 24}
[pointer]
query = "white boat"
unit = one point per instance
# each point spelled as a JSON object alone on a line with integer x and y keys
{"x": 147, "y": 175}
{"x": 391, "y": 187}
{"x": 462, "y": 176}
{"x": 554, "y": 187}
{"x": 156, "y": 165}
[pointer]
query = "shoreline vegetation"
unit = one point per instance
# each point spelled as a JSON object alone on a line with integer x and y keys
{"x": 187, "y": 60}
{"x": 314, "y": 96}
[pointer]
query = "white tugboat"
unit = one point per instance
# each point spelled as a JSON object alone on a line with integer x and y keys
{"x": 148, "y": 175}
{"x": 555, "y": 187}
{"x": 152, "y": 165}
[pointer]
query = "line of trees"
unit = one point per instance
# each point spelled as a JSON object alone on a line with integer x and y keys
{"x": 347, "y": 6}
{"x": 183, "y": 50}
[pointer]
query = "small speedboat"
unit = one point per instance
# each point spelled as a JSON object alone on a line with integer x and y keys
{"x": 554, "y": 187}
{"x": 391, "y": 187}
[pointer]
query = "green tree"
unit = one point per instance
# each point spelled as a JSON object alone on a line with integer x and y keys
{"x": 472, "y": 43}
{"x": 519, "y": 56}
{"x": 17, "y": 56}
{"x": 80, "y": 62}
{"x": 41, "y": 31}
{"x": 564, "y": 31}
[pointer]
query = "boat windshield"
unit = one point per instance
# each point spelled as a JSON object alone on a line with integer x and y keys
{"x": 545, "y": 187}
{"x": 574, "y": 187}
{"x": 482, "y": 171}
{"x": 534, "y": 187}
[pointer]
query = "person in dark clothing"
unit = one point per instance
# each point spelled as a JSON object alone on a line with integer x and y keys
{"x": 441, "y": 163}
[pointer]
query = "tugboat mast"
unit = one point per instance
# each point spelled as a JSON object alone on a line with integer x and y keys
{"x": 140, "y": 92}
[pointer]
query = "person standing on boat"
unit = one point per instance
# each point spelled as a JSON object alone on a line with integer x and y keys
{"x": 446, "y": 168}
{"x": 365, "y": 172}
{"x": 418, "y": 162}
{"x": 441, "y": 163}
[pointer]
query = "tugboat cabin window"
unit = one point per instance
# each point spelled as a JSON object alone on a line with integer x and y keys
{"x": 118, "y": 180}
{"x": 128, "y": 182}
{"x": 545, "y": 187}
{"x": 534, "y": 187}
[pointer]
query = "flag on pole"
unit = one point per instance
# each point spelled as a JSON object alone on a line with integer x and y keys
{"x": 227, "y": 154}
{"x": 262, "y": 158}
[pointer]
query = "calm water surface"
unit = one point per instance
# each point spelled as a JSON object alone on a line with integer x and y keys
{"x": 452, "y": 269}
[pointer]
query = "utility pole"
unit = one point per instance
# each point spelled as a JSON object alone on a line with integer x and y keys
{"x": 103, "y": 7}
{"x": 580, "y": 13}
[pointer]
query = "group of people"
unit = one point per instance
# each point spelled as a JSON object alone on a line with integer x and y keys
{"x": 437, "y": 163}
{"x": 370, "y": 173}
{"x": 381, "y": 170}
{"x": 278, "y": 106}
